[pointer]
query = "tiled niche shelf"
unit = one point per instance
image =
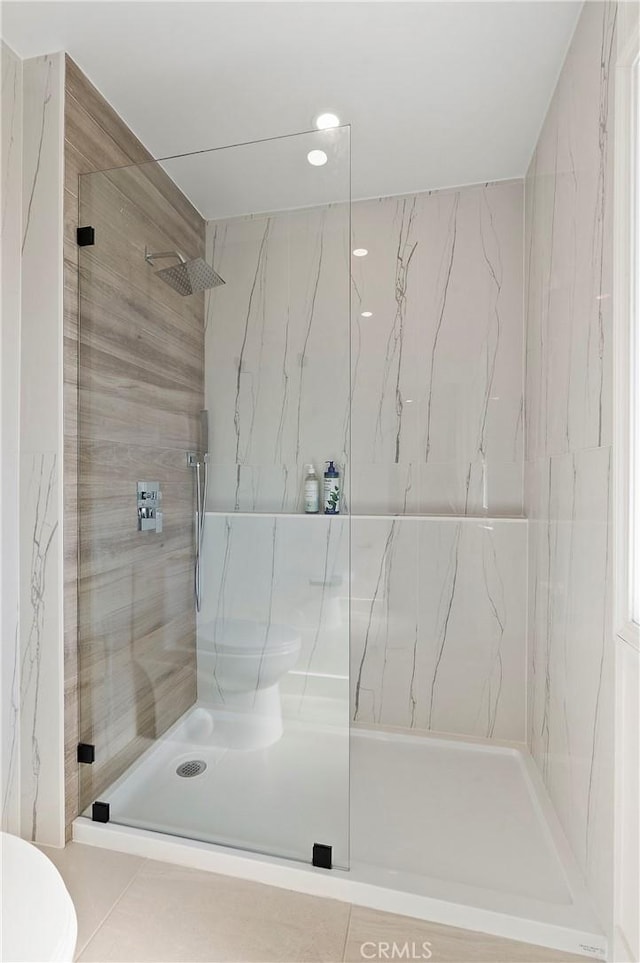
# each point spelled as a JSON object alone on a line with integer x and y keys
{"x": 400, "y": 515}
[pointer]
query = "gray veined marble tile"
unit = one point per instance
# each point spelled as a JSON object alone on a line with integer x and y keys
{"x": 435, "y": 613}
{"x": 11, "y": 230}
{"x": 277, "y": 346}
{"x": 435, "y": 369}
{"x": 568, "y": 252}
{"x": 438, "y": 621}
{"x": 569, "y": 249}
{"x": 384, "y": 620}
{"x": 41, "y": 553}
{"x": 570, "y": 669}
{"x": 41, "y": 646}
{"x": 460, "y": 390}
{"x": 42, "y": 240}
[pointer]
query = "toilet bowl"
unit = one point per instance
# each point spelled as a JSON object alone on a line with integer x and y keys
{"x": 240, "y": 664}
{"x": 38, "y": 917}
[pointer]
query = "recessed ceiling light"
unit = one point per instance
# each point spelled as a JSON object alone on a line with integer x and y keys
{"x": 317, "y": 158}
{"x": 325, "y": 121}
{"x": 359, "y": 251}
{"x": 367, "y": 314}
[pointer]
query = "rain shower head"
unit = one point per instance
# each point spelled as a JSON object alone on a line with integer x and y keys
{"x": 187, "y": 277}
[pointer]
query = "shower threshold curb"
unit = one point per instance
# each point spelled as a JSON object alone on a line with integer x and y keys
{"x": 352, "y": 886}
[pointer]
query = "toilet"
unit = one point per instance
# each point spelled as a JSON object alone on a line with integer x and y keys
{"x": 240, "y": 664}
{"x": 38, "y": 917}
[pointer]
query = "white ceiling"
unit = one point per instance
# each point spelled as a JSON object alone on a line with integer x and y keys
{"x": 437, "y": 93}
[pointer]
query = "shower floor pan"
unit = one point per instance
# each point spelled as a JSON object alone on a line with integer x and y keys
{"x": 442, "y": 829}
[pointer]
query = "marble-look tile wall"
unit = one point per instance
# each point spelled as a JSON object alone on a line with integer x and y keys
{"x": 41, "y": 562}
{"x": 438, "y": 618}
{"x": 568, "y": 259}
{"x": 11, "y": 239}
{"x": 436, "y": 375}
{"x": 276, "y": 355}
{"x": 434, "y": 610}
{"x": 422, "y": 399}
{"x": 438, "y": 366}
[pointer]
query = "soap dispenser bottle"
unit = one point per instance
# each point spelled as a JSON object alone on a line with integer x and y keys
{"x": 331, "y": 490}
{"x": 311, "y": 491}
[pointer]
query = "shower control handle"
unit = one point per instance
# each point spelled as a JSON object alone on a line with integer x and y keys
{"x": 149, "y": 500}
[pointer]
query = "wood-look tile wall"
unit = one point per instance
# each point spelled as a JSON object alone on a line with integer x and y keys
{"x": 133, "y": 391}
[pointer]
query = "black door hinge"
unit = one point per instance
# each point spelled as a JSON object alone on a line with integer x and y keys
{"x": 85, "y": 236}
{"x": 100, "y": 812}
{"x": 321, "y": 856}
{"x": 86, "y": 752}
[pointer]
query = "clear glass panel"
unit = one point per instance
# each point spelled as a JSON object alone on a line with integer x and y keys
{"x": 230, "y": 724}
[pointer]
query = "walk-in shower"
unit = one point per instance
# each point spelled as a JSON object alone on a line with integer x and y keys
{"x": 342, "y": 709}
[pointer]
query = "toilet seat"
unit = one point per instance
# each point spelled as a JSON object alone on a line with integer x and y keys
{"x": 242, "y": 637}
{"x": 38, "y": 917}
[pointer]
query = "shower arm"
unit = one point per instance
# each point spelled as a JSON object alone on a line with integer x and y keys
{"x": 150, "y": 258}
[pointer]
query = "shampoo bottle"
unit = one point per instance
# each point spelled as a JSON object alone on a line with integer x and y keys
{"x": 311, "y": 491}
{"x": 331, "y": 490}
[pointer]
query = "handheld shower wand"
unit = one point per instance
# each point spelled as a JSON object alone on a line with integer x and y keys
{"x": 202, "y": 485}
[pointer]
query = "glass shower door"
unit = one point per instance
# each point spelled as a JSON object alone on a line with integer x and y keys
{"x": 214, "y": 366}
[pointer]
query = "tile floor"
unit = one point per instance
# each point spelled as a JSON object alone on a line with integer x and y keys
{"x": 133, "y": 910}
